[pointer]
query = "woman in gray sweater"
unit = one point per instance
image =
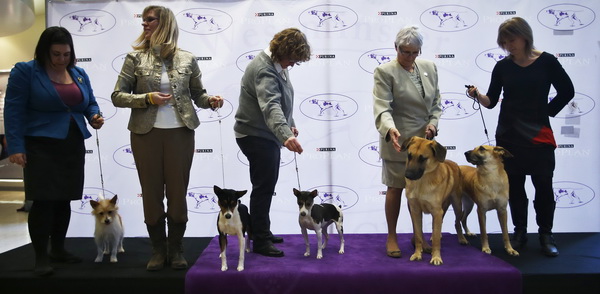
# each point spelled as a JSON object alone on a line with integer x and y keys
{"x": 264, "y": 124}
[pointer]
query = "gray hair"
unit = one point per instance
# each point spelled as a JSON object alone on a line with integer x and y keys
{"x": 407, "y": 36}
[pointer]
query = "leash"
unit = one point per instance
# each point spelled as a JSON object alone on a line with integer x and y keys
{"x": 100, "y": 161}
{"x": 221, "y": 143}
{"x": 297, "y": 172}
{"x": 477, "y": 107}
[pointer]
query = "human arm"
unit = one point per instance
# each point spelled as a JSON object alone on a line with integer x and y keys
{"x": 382, "y": 108}
{"x": 563, "y": 85}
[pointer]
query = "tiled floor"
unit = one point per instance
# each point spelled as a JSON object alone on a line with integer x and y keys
{"x": 13, "y": 224}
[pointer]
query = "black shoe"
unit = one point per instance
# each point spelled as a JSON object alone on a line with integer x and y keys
{"x": 518, "y": 240}
{"x": 64, "y": 257}
{"x": 548, "y": 245}
{"x": 276, "y": 239}
{"x": 268, "y": 250}
{"x": 43, "y": 270}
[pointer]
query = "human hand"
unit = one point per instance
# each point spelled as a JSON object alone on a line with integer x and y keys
{"x": 295, "y": 131}
{"x": 159, "y": 98}
{"x": 430, "y": 132}
{"x": 215, "y": 102}
{"x": 97, "y": 121}
{"x": 18, "y": 158}
{"x": 395, "y": 136}
{"x": 293, "y": 145}
{"x": 473, "y": 92}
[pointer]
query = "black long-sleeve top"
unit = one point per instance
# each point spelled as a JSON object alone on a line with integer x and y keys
{"x": 525, "y": 110}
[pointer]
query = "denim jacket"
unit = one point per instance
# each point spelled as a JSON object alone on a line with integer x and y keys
{"x": 141, "y": 74}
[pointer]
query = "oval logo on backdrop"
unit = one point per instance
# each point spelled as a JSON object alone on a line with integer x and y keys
{"x": 89, "y": 193}
{"x": 203, "y": 21}
{"x": 202, "y": 200}
{"x": 369, "y": 154}
{"x": 449, "y": 18}
{"x": 88, "y": 22}
{"x": 572, "y": 194}
{"x": 123, "y": 156}
{"x": 340, "y": 196}
{"x": 287, "y": 157}
{"x": 117, "y": 63}
{"x": 369, "y": 60}
{"x": 106, "y": 107}
{"x": 242, "y": 61}
{"x": 486, "y": 60}
{"x": 328, "y": 107}
{"x": 208, "y": 115}
{"x": 566, "y": 17}
{"x": 328, "y": 18}
{"x": 456, "y": 106}
{"x": 580, "y": 105}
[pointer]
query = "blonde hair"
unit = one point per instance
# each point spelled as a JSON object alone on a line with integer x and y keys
{"x": 290, "y": 43}
{"x": 516, "y": 27}
{"x": 166, "y": 33}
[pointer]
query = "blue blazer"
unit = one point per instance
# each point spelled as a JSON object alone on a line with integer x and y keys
{"x": 32, "y": 106}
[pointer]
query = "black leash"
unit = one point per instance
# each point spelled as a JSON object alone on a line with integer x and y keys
{"x": 477, "y": 106}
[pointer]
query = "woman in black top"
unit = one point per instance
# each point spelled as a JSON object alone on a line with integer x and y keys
{"x": 524, "y": 128}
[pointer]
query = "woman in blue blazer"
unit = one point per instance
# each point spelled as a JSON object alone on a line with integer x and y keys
{"x": 47, "y": 103}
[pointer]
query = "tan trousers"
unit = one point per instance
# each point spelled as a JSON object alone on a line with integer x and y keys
{"x": 163, "y": 158}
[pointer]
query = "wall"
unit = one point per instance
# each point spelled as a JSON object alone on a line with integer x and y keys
{"x": 340, "y": 158}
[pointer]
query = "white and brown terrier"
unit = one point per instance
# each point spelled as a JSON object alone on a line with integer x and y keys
{"x": 109, "y": 231}
{"x": 318, "y": 217}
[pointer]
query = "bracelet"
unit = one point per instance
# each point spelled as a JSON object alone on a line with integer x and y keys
{"x": 149, "y": 99}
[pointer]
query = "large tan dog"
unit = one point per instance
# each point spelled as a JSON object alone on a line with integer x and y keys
{"x": 486, "y": 185}
{"x": 432, "y": 184}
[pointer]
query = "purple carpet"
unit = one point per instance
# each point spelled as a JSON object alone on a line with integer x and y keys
{"x": 364, "y": 268}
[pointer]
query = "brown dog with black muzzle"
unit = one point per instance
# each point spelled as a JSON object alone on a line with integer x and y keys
{"x": 432, "y": 184}
{"x": 486, "y": 185}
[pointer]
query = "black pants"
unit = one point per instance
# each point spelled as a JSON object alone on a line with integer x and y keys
{"x": 264, "y": 157}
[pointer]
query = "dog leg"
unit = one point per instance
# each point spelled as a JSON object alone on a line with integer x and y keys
{"x": 436, "y": 256}
{"x": 416, "y": 216}
{"x": 319, "y": 233}
{"x": 305, "y": 235}
{"x": 325, "y": 237}
{"x": 100, "y": 247}
{"x": 340, "y": 230}
{"x": 223, "y": 255}
{"x": 458, "y": 213}
{"x": 502, "y": 218}
{"x": 467, "y": 204}
{"x": 485, "y": 244}
{"x": 113, "y": 252}
{"x": 121, "y": 248}
{"x": 240, "y": 266}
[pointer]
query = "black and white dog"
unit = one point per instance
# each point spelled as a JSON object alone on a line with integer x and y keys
{"x": 318, "y": 217}
{"x": 233, "y": 219}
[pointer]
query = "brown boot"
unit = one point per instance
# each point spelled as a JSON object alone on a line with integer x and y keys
{"x": 176, "y": 258}
{"x": 158, "y": 238}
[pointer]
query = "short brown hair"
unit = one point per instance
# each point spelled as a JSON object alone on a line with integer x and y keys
{"x": 516, "y": 27}
{"x": 290, "y": 43}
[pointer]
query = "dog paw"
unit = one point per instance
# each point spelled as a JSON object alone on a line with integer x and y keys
{"x": 319, "y": 256}
{"x": 223, "y": 268}
{"x": 463, "y": 241}
{"x": 416, "y": 257}
{"x": 486, "y": 250}
{"x": 306, "y": 253}
{"x": 341, "y": 251}
{"x": 512, "y": 252}
{"x": 121, "y": 250}
{"x": 98, "y": 259}
{"x": 113, "y": 259}
{"x": 469, "y": 234}
{"x": 436, "y": 261}
{"x": 240, "y": 268}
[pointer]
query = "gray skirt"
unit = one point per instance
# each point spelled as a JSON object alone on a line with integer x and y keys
{"x": 392, "y": 173}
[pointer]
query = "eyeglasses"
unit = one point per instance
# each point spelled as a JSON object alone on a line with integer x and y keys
{"x": 149, "y": 19}
{"x": 409, "y": 53}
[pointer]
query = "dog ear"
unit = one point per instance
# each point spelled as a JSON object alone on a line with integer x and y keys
{"x": 113, "y": 201}
{"x": 217, "y": 189}
{"x": 406, "y": 144}
{"x": 239, "y": 194}
{"x": 296, "y": 192}
{"x": 314, "y": 193}
{"x": 439, "y": 151}
{"x": 503, "y": 152}
{"x": 94, "y": 204}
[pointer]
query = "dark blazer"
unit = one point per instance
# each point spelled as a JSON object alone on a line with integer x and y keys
{"x": 32, "y": 106}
